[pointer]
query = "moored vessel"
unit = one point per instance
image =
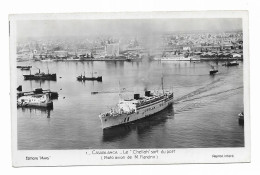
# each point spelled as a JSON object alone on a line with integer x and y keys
{"x": 52, "y": 95}
{"x": 84, "y": 78}
{"x": 40, "y": 76}
{"x": 92, "y": 78}
{"x": 35, "y": 100}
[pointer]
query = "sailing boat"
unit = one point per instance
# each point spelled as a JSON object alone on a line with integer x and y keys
{"x": 92, "y": 78}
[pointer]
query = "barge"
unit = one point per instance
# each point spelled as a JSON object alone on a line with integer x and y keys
{"x": 53, "y": 95}
{"x": 35, "y": 100}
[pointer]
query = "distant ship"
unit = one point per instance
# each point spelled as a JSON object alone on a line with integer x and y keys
{"x": 92, "y": 78}
{"x": 35, "y": 100}
{"x": 233, "y": 63}
{"x": 41, "y": 76}
{"x": 180, "y": 58}
{"x": 24, "y": 67}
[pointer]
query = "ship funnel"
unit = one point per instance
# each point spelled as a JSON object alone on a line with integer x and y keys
{"x": 148, "y": 93}
{"x": 38, "y": 91}
{"x": 136, "y": 96}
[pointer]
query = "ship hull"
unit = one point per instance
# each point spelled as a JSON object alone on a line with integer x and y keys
{"x": 36, "y": 105}
{"x": 142, "y": 112}
{"x": 89, "y": 78}
{"x": 42, "y": 77}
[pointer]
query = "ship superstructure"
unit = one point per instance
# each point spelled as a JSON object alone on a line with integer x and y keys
{"x": 134, "y": 109}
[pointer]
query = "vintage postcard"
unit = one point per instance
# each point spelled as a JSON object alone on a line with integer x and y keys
{"x": 129, "y": 88}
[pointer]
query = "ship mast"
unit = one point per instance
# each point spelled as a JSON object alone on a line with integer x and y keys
{"x": 119, "y": 89}
{"x": 162, "y": 85}
{"x": 92, "y": 72}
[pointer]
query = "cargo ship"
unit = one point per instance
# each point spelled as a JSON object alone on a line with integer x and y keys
{"x": 92, "y": 78}
{"x": 84, "y": 78}
{"x": 127, "y": 111}
{"x": 41, "y": 76}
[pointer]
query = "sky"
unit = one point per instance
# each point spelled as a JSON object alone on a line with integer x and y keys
{"x": 64, "y": 28}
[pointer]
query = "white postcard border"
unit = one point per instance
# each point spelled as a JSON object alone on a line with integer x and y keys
{"x": 86, "y": 157}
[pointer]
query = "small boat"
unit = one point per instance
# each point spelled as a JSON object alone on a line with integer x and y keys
{"x": 213, "y": 71}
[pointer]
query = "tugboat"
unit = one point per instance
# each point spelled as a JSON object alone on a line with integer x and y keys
{"x": 92, "y": 78}
{"x": 213, "y": 71}
{"x": 35, "y": 100}
{"x": 129, "y": 110}
{"x": 41, "y": 76}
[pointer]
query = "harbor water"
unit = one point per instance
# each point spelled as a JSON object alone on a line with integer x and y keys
{"x": 204, "y": 113}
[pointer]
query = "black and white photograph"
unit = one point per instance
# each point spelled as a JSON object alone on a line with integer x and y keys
{"x": 122, "y": 83}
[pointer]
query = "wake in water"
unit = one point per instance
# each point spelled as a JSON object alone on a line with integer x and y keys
{"x": 206, "y": 95}
{"x": 213, "y": 84}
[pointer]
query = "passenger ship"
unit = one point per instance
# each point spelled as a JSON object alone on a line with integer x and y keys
{"x": 130, "y": 110}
